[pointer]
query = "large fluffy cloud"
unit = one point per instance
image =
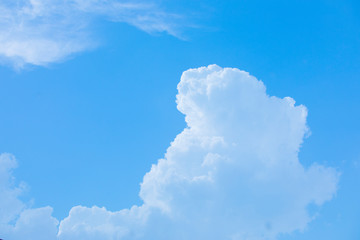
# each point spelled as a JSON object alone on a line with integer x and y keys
{"x": 232, "y": 173}
{"x": 44, "y": 31}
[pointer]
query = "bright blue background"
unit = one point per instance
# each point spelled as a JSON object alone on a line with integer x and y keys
{"x": 85, "y": 131}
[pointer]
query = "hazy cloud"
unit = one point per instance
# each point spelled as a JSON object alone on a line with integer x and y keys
{"x": 17, "y": 220}
{"x": 40, "y": 32}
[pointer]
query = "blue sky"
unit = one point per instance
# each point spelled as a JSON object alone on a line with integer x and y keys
{"x": 87, "y": 122}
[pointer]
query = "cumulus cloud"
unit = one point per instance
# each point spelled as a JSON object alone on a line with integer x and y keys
{"x": 40, "y": 32}
{"x": 232, "y": 173}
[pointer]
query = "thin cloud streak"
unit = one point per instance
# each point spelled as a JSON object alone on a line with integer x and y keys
{"x": 42, "y": 32}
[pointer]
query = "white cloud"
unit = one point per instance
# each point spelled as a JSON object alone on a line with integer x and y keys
{"x": 18, "y": 221}
{"x": 232, "y": 173}
{"x": 10, "y": 205}
{"x": 40, "y": 32}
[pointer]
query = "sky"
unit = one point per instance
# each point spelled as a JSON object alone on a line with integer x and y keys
{"x": 179, "y": 120}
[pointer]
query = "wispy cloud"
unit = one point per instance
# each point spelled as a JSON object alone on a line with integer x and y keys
{"x": 40, "y": 32}
{"x": 28, "y": 223}
{"x": 232, "y": 173}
